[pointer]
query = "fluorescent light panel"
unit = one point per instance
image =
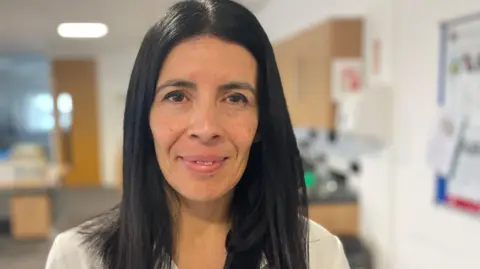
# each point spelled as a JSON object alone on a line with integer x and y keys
{"x": 82, "y": 30}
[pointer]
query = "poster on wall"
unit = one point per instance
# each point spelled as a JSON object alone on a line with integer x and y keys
{"x": 347, "y": 78}
{"x": 455, "y": 149}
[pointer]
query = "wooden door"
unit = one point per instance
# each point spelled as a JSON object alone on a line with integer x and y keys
{"x": 78, "y": 145}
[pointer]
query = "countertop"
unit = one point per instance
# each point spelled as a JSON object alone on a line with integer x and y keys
{"x": 339, "y": 196}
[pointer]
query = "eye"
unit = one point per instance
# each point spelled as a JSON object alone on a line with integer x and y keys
{"x": 175, "y": 97}
{"x": 237, "y": 98}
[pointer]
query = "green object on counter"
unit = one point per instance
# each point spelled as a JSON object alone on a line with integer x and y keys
{"x": 310, "y": 179}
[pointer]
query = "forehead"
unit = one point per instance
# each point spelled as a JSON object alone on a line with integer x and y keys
{"x": 203, "y": 56}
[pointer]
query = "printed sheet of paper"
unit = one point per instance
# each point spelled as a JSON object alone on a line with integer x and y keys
{"x": 444, "y": 143}
{"x": 464, "y": 182}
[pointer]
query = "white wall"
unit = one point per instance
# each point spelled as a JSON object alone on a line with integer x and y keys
{"x": 399, "y": 219}
{"x": 425, "y": 236}
{"x": 113, "y": 69}
{"x": 282, "y": 18}
{"x": 376, "y": 188}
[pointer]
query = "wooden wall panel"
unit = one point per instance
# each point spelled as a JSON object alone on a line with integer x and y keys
{"x": 314, "y": 102}
{"x": 347, "y": 37}
{"x": 78, "y": 78}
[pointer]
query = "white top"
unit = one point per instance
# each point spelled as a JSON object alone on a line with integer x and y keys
{"x": 326, "y": 251}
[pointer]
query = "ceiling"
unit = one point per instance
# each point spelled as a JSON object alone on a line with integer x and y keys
{"x": 27, "y": 25}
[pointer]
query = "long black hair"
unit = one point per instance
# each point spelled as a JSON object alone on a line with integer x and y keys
{"x": 269, "y": 207}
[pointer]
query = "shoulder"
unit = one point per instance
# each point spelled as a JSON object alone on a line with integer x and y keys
{"x": 69, "y": 251}
{"x": 325, "y": 249}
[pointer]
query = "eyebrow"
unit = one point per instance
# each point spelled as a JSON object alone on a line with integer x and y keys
{"x": 181, "y": 83}
{"x": 235, "y": 85}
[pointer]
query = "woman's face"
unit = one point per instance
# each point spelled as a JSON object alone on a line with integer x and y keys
{"x": 204, "y": 118}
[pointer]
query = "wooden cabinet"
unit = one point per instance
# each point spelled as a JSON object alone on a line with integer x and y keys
{"x": 31, "y": 216}
{"x": 337, "y": 218}
{"x": 305, "y": 61}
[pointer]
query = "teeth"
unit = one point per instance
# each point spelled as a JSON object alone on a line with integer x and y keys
{"x": 204, "y": 163}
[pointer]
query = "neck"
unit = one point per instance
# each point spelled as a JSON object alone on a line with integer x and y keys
{"x": 196, "y": 220}
{"x": 200, "y": 230}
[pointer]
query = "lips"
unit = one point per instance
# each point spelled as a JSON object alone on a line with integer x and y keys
{"x": 203, "y": 164}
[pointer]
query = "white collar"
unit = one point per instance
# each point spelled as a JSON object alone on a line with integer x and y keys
{"x": 263, "y": 263}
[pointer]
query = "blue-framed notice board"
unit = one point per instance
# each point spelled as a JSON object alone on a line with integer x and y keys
{"x": 458, "y": 172}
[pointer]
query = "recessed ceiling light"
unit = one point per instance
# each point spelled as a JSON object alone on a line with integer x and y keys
{"x": 82, "y": 30}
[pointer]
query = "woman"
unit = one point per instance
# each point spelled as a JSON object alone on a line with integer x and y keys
{"x": 212, "y": 174}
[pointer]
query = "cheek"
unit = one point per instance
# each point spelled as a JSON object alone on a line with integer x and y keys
{"x": 243, "y": 130}
{"x": 163, "y": 130}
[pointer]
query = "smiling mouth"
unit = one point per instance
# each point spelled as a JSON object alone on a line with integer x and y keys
{"x": 203, "y": 164}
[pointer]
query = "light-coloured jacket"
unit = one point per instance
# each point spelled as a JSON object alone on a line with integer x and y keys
{"x": 67, "y": 252}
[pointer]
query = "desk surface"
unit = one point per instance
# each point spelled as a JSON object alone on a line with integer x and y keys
{"x": 337, "y": 197}
{"x": 52, "y": 178}
{"x": 10, "y": 185}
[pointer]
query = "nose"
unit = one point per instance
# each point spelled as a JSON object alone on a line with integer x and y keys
{"x": 204, "y": 125}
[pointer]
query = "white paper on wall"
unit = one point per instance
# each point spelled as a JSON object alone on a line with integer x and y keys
{"x": 444, "y": 143}
{"x": 347, "y": 78}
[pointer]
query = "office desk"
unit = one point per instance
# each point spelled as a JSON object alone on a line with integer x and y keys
{"x": 30, "y": 201}
{"x": 30, "y": 208}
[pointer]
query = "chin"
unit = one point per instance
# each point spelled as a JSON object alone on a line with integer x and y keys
{"x": 205, "y": 195}
{"x": 195, "y": 191}
{"x": 202, "y": 188}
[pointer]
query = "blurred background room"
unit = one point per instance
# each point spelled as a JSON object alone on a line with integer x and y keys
{"x": 367, "y": 84}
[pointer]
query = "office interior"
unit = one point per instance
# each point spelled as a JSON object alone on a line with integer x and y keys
{"x": 364, "y": 147}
